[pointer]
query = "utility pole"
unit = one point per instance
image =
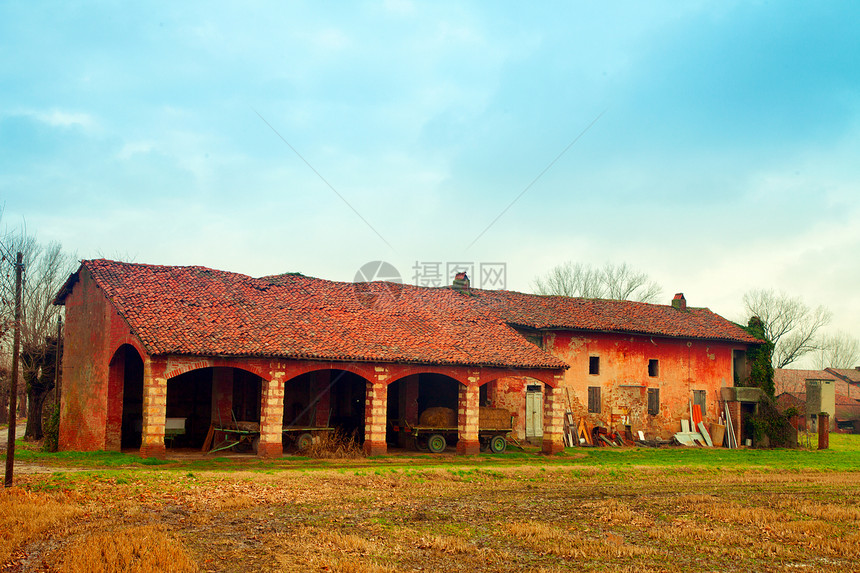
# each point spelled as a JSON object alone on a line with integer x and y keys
{"x": 13, "y": 384}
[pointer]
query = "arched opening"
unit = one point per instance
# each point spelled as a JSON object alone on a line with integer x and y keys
{"x": 125, "y": 400}
{"x": 209, "y": 397}
{"x": 523, "y": 397}
{"x": 322, "y": 399}
{"x": 412, "y": 396}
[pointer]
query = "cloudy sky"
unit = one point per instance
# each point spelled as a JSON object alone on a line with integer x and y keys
{"x": 714, "y": 145}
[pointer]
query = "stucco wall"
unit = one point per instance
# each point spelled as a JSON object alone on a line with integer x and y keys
{"x": 682, "y": 366}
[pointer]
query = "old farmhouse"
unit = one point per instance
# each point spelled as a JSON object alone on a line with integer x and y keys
{"x": 146, "y": 344}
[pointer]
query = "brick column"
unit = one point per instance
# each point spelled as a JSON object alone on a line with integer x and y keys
{"x": 467, "y": 420}
{"x": 375, "y": 412}
{"x": 271, "y": 419}
{"x": 553, "y": 420}
{"x": 735, "y": 413}
{"x": 154, "y": 410}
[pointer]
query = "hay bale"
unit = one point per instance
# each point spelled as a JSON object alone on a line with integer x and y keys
{"x": 438, "y": 417}
{"x": 494, "y": 419}
{"x": 247, "y": 426}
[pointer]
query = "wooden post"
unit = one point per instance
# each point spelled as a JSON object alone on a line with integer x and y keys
{"x": 823, "y": 431}
{"x": 13, "y": 383}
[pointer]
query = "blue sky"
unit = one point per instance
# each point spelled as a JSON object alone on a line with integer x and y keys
{"x": 725, "y": 158}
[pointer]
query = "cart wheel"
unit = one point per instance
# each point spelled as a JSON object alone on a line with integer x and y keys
{"x": 421, "y": 444}
{"x": 485, "y": 445}
{"x": 436, "y": 443}
{"x": 304, "y": 441}
{"x": 244, "y": 446}
{"x": 498, "y": 444}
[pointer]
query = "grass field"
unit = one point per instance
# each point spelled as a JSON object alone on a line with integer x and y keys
{"x": 584, "y": 510}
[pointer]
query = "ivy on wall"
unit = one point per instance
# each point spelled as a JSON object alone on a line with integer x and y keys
{"x": 758, "y": 357}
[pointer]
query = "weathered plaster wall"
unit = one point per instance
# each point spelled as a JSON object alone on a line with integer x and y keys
{"x": 624, "y": 380}
{"x": 683, "y": 366}
{"x": 93, "y": 333}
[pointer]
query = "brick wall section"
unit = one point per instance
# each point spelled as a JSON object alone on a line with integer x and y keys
{"x": 553, "y": 420}
{"x": 735, "y": 413}
{"x": 93, "y": 333}
{"x": 271, "y": 419}
{"x": 467, "y": 420}
{"x": 154, "y": 409}
{"x": 375, "y": 412}
{"x": 116, "y": 387}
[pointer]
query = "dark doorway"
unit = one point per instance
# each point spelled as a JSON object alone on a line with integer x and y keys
{"x": 132, "y": 399}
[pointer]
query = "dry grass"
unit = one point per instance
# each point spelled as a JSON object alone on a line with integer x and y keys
{"x": 25, "y": 515}
{"x": 448, "y": 518}
{"x": 142, "y": 549}
{"x": 335, "y": 445}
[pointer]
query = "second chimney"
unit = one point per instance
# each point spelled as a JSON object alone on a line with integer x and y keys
{"x": 679, "y": 302}
{"x": 461, "y": 281}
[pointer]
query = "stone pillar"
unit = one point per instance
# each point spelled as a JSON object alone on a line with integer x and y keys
{"x": 468, "y": 413}
{"x": 222, "y": 396}
{"x": 735, "y": 413}
{"x": 271, "y": 419}
{"x": 154, "y": 409}
{"x": 823, "y": 431}
{"x": 553, "y": 420}
{"x": 375, "y": 412}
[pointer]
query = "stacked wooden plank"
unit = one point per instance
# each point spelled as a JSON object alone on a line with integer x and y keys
{"x": 570, "y": 435}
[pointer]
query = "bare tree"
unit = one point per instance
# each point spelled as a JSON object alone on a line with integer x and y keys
{"x": 46, "y": 267}
{"x": 839, "y": 350}
{"x": 620, "y": 282}
{"x": 791, "y": 325}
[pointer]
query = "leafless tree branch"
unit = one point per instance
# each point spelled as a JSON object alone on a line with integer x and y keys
{"x": 792, "y": 326}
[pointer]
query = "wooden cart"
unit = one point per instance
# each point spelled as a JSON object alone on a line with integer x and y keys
{"x": 243, "y": 437}
{"x": 302, "y": 437}
{"x": 435, "y": 440}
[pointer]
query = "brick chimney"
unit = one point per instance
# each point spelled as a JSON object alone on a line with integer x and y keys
{"x": 679, "y": 302}
{"x": 461, "y": 281}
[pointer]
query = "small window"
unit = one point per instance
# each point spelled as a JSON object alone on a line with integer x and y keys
{"x": 594, "y": 399}
{"x": 699, "y": 399}
{"x": 594, "y": 364}
{"x": 653, "y": 401}
{"x": 653, "y": 368}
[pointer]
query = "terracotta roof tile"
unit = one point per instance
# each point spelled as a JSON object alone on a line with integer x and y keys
{"x": 200, "y": 311}
{"x": 794, "y": 381}
{"x": 600, "y": 315}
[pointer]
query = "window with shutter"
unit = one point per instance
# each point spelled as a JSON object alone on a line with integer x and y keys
{"x": 653, "y": 401}
{"x": 594, "y": 399}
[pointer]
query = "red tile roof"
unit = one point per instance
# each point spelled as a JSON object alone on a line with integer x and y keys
{"x": 600, "y": 315}
{"x": 851, "y": 375}
{"x": 201, "y": 311}
{"x": 794, "y": 381}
